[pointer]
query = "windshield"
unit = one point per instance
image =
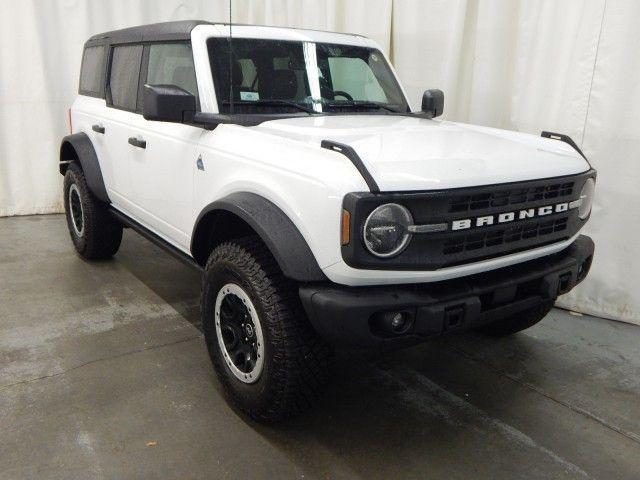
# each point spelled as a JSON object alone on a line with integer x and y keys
{"x": 272, "y": 76}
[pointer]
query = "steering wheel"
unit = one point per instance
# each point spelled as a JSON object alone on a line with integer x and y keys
{"x": 340, "y": 93}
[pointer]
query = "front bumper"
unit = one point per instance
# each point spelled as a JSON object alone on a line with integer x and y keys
{"x": 347, "y": 315}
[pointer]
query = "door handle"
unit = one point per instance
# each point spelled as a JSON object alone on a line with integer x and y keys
{"x": 97, "y": 128}
{"x": 137, "y": 142}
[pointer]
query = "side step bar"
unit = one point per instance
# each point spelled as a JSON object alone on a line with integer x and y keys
{"x": 155, "y": 239}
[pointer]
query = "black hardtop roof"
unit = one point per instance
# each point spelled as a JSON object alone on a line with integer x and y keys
{"x": 153, "y": 32}
{"x": 179, "y": 30}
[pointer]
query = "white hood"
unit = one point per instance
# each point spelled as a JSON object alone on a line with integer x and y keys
{"x": 404, "y": 153}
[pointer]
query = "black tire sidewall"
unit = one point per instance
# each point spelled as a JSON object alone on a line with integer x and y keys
{"x": 102, "y": 234}
{"x": 248, "y": 396}
{"x": 73, "y": 177}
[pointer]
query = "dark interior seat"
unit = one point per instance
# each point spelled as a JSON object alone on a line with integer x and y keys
{"x": 283, "y": 84}
{"x": 237, "y": 78}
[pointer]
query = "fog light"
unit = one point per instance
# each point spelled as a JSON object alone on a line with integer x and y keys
{"x": 392, "y": 323}
{"x": 398, "y": 322}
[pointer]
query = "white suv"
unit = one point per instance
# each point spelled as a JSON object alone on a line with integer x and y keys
{"x": 287, "y": 166}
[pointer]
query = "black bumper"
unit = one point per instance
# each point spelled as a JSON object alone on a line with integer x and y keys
{"x": 349, "y": 315}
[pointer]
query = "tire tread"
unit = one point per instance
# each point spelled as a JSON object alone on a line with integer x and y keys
{"x": 302, "y": 358}
{"x": 102, "y": 233}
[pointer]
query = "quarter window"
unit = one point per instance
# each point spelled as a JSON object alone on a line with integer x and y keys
{"x": 91, "y": 79}
{"x": 125, "y": 72}
{"x": 172, "y": 64}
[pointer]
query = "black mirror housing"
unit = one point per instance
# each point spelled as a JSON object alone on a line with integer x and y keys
{"x": 168, "y": 103}
{"x": 433, "y": 102}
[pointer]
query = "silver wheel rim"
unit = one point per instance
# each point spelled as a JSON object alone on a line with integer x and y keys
{"x": 239, "y": 333}
{"x": 75, "y": 210}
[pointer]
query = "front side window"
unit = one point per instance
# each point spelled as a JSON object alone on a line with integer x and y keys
{"x": 172, "y": 64}
{"x": 271, "y": 76}
{"x": 123, "y": 79}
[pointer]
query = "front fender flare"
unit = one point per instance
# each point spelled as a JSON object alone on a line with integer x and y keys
{"x": 273, "y": 226}
{"x": 86, "y": 155}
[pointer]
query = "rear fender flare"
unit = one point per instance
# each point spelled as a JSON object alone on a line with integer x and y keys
{"x": 78, "y": 147}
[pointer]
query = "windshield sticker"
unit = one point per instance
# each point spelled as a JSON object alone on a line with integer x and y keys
{"x": 249, "y": 96}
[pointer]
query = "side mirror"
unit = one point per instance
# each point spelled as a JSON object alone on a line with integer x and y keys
{"x": 433, "y": 102}
{"x": 167, "y": 103}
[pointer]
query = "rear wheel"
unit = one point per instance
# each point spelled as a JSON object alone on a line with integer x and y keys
{"x": 518, "y": 322}
{"x": 269, "y": 359}
{"x": 94, "y": 232}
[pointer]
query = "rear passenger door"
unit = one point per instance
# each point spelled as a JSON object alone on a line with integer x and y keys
{"x": 89, "y": 108}
{"x": 162, "y": 171}
{"x": 121, "y": 100}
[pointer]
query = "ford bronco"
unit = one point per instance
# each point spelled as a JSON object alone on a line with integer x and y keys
{"x": 288, "y": 167}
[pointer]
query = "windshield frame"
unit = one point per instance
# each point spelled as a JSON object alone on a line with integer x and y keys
{"x": 314, "y": 101}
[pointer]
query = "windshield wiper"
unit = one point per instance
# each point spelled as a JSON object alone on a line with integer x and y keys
{"x": 271, "y": 103}
{"x": 358, "y": 103}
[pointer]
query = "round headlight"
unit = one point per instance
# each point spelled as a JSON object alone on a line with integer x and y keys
{"x": 586, "y": 197}
{"x": 386, "y": 230}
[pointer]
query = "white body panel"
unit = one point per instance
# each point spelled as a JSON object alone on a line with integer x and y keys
{"x": 154, "y": 186}
{"x": 162, "y": 177}
{"x": 308, "y": 183}
{"x": 282, "y": 161}
{"x": 408, "y": 154}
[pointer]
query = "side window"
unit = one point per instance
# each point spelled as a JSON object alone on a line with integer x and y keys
{"x": 123, "y": 79}
{"x": 91, "y": 73}
{"x": 172, "y": 64}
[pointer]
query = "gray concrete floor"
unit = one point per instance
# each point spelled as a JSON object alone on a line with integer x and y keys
{"x": 104, "y": 374}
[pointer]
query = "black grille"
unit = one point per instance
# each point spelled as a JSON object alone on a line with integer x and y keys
{"x": 476, "y": 241}
{"x": 431, "y": 251}
{"x": 469, "y": 203}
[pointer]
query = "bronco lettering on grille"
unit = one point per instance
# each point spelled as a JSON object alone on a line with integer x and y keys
{"x": 506, "y": 217}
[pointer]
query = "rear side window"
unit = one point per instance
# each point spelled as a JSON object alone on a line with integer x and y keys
{"x": 124, "y": 75}
{"x": 91, "y": 73}
{"x": 172, "y": 64}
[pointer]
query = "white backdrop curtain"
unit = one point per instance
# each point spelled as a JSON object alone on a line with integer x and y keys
{"x": 570, "y": 66}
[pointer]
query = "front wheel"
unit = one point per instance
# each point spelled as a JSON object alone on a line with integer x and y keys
{"x": 269, "y": 359}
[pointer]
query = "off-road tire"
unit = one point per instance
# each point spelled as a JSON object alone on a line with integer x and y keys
{"x": 518, "y": 322}
{"x": 296, "y": 360}
{"x": 101, "y": 234}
